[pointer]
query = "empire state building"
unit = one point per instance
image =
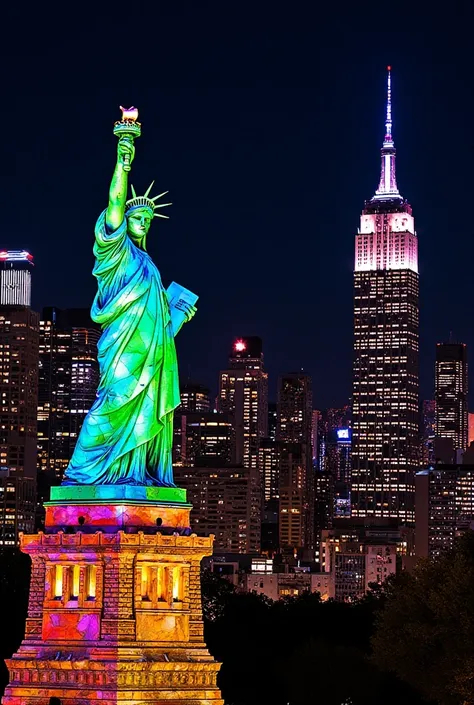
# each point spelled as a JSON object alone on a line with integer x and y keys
{"x": 385, "y": 373}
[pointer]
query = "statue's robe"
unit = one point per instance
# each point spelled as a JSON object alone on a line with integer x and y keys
{"x": 127, "y": 435}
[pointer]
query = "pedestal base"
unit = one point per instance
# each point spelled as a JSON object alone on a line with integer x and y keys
{"x": 90, "y": 508}
{"x": 133, "y": 683}
{"x": 114, "y": 616}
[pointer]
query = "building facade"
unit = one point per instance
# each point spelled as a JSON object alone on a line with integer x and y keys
{"x": 16, "y": 268}
{"x": 385, "y": 416}
{"x": 357, "y": 557}
{"x": 206, "y": 439}
{"x": 243, "y": 393}
{"x": 19, "y": 331}
{"x": 294, "y": 434}
{"x": 19, "y": 340}
{"x": 68, "y": 382}
{"x": 451, "y": 388}
{"x": 226, "y": 503}
{"x": 444, "y": 507}
{"x": 194, "y": 398}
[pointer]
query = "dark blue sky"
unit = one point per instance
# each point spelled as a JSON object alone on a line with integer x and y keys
{"x": 264, "y": 121}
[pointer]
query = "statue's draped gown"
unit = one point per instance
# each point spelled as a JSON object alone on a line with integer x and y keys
{"x": 127, "y": 435}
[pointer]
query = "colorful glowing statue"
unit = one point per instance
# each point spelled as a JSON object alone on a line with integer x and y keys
{"x": 127, "y": 435}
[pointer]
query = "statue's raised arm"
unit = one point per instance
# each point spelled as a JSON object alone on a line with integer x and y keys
{"x": 119, "y": 185}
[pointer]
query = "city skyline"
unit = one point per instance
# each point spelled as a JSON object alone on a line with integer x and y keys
{"x": 271, "y": 146}
{"x": 229, "y": 513}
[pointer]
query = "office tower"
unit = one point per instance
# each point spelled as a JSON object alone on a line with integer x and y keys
{"x": 207, "y": 439}
{"x": 385, "y": 417}
{"x": 294, "y": 510}
{"x": 17, "y": 507}
{"x": 269, "y": 470}
{"x": 19, "y": 328}
{"x": 19, "y": 389}
{"x": 315, "y": 423}
{"x": 444, "y": 507}
{"x": 428, "y": 432}
{"x": 330, "y": 421}
{"x": 222, "y": 501}
{"x": 324, "y": 500}
{"x": 338, "y": 464}
{"x": 294, "y": 428}
{"x": 269, "y": 464}
{"x": 194, "y": 398}
{"x": 243, "y": 392}
{"x": 16, "y": 267}
{"x": 295, "y": 410}
{"x": 272, "y": 420}
{"x": 68, "y": 381}
{"x": 451, "y": 393}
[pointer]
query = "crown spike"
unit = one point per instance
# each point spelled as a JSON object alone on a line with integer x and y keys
{"x": 160, "y": 215}
{"x": 149, "y": 189}
{"x": 162, "y": 205}
{"x": 159, "y": 196}
{"x": 134, "y": 193}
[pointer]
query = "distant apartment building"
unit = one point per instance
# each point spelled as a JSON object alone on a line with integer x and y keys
{"x": 195, "y": 398}
{"x": 359, "y": 555}
{"x": 280, "y": 585}
{"x": 68, "y": 382}
{"x": 226, "y": 503}
{"x": 444, "y": 503}
{"x": 451, "y": 390}
{"x": 296, "y": 481}
{"x": 203, "y": 438}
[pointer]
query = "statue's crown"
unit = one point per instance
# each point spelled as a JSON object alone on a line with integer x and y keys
{"x": 146, "y": 202}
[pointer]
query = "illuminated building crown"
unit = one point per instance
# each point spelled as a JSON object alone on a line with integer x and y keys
{"x": 144, "y": 202}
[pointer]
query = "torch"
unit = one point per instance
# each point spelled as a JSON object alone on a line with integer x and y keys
{"x": 128, "y": 127}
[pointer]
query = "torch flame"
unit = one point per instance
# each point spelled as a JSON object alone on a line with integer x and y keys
{"x": 129, "y": 113}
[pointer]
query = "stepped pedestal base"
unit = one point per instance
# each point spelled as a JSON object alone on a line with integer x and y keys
{"x": 114, "y": 614}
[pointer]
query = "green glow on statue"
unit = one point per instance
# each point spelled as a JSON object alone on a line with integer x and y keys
{"x": 127, "y": 435}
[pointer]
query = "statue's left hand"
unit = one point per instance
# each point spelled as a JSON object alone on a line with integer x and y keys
{"x": 189, "y": 310}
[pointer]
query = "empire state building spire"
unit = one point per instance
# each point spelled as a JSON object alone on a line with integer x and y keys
{"x": 388, "y": 181}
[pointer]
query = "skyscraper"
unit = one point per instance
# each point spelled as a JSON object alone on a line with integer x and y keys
{"x": 338, "y": 456}
{"x": 68, "y": 381}
{"x": 269, "y": 465}
{"x": 295, "y": 408}
{"x": 243, "y": 393}
{"x": 272, "y": 420}
{"x": 296, "y": 481}
{"x": 451, "y": 393}
{"x": 444, "y": 507}
{"x": 223, "y": 499}
{"x": 194, "y": 398}
{"x": 207, "y": 439}
{"x": 294, "y": 515}
{"x": 428, "y": 431}
{"x": 16, "y": 267}
{"x": 19, "y": 397}
{"x": 385, "y": 418}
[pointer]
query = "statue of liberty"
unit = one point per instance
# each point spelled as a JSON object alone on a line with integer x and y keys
{"x": 127, "y": 435}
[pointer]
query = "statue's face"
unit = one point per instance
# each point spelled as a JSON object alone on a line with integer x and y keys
{"x": 138, "y": 225}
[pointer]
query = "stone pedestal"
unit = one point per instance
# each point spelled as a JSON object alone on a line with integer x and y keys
{"x": 114, "y": 609}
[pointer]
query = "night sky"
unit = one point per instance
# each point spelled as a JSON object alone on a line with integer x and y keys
{"x": 264, "y": 121}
